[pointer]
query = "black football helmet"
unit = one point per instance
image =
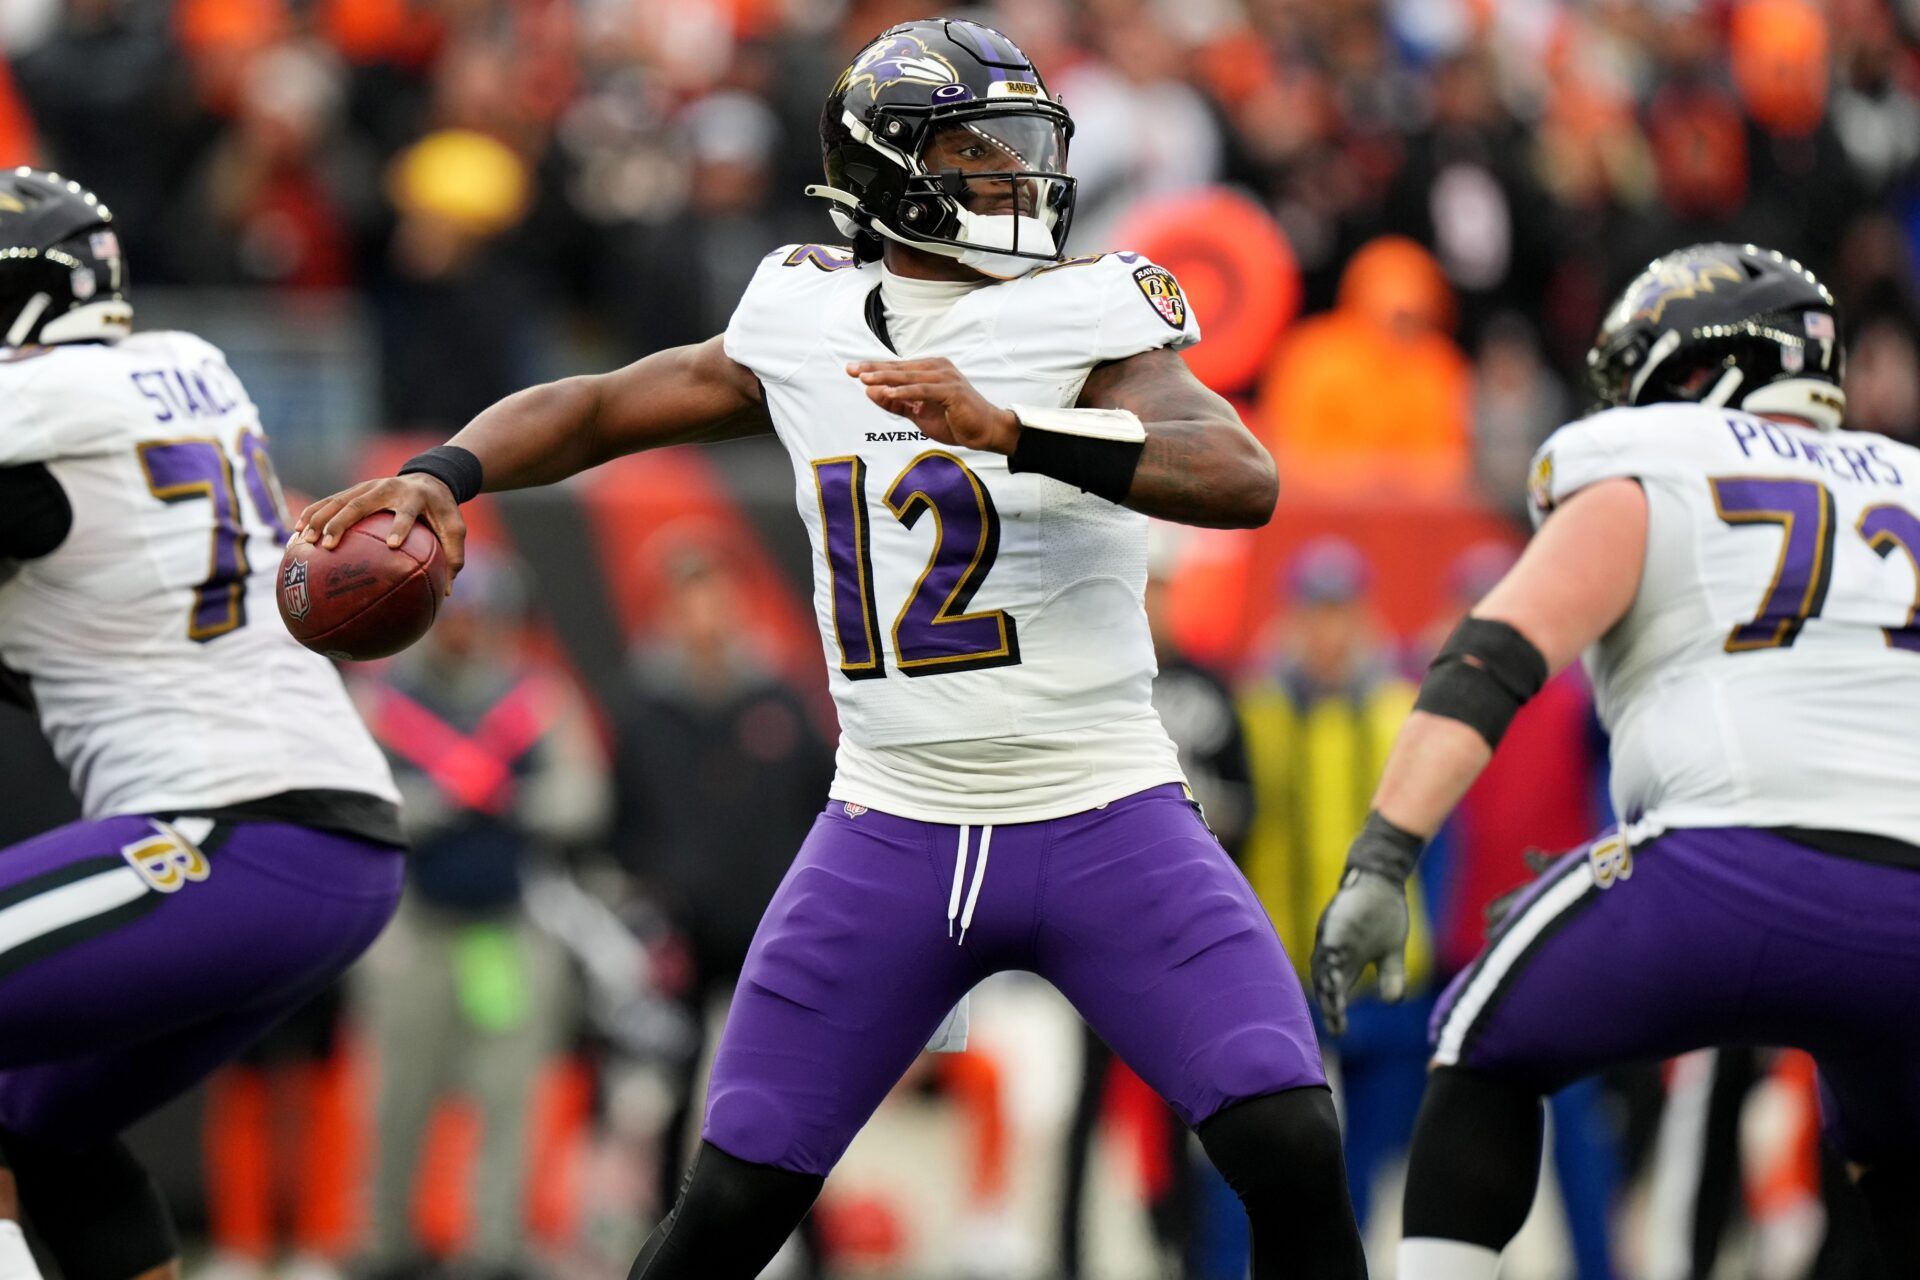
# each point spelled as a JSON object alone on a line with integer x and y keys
{"x": 1723, "y": 324}
{"x": 62, "y": 278}
{"x": 888, "y": 138}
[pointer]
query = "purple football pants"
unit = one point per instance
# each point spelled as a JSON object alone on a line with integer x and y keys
{"x": 1132, "y": 910}
{"x": 136, "y": 957}
{"x": 1704, "y": 937}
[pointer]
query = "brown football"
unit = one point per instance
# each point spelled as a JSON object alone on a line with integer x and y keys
{"x": 363, "y": 599}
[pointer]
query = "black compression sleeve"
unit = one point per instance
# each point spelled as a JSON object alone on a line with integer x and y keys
{"x": 731, "y": 1218}
{"x": 96, "y": 1208}
{"x": 1482, "y": 676}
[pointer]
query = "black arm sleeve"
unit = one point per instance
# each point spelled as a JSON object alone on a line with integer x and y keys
{"x": 35, "y": 516}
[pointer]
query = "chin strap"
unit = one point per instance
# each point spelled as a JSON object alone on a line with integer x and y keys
{"x": 851, "y": 219}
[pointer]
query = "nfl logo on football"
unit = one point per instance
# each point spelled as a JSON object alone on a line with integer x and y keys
{"x": 293, "y": 588}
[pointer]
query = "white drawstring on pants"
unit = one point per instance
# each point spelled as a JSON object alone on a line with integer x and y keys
{"x": 954, "y": 911}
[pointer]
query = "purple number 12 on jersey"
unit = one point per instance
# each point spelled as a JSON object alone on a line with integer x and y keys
{"x": 842, "y": 485}
{"x": 933, "y": 632}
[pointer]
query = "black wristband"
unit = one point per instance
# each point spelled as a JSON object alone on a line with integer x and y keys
{"x": 1103, "y": 468}
{"x": 452, "y": 466}
{"x": 1385, "y": 849}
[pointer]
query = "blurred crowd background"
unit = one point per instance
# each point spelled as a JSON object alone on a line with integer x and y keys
{"x": 1398, "y": 222}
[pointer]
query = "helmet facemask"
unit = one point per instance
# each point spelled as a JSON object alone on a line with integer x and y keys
{"x": 993, "y": 187}
{"x": 983, "y": 183}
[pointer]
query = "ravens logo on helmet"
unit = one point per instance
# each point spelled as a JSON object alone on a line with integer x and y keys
{"x": 1723, "y": 324}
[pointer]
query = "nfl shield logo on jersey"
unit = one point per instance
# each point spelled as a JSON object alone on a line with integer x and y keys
{"x": 293, "y": 590}
{"x": 1163, "y": 291}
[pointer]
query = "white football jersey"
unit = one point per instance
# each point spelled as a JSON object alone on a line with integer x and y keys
{"x": 161, "y": 672}
{"x": 985, "y": 639}
{"x": 1768, "y": 673}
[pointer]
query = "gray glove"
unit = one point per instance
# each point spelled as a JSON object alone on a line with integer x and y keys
{"x": 1366, "y": 923}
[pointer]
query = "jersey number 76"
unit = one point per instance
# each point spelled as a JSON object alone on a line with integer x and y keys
{"x": 933, "y": 633}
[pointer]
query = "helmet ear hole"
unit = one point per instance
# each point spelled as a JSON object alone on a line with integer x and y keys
{"x": 1694, "y": 382}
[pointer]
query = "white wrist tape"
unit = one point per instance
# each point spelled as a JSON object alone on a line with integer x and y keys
{"x": 1121, "y": 425}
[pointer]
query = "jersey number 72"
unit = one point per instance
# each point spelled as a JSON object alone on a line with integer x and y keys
{"x": 933, "y": 633}
{"x": 1804, "y": 511}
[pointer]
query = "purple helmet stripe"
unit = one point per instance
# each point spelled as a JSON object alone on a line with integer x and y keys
{"x": 986, "y": 47}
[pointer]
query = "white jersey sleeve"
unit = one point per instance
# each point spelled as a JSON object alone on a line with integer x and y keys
{"x": 762, "y": 334}
{"x": 1768, "y": 671}
{"x": 1141, "y": 306}
{"x": 986, "y": 645}
{"x": 149, "y": 638}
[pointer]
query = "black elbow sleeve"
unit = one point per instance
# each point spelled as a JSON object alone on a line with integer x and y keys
{"x": 1482, "y": 676}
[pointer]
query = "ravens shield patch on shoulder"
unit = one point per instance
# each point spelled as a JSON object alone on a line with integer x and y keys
{"x": 1163, "y": 291}
{"x": 1540, "y": 482}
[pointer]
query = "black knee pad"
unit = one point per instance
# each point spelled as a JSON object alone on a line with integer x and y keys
{"x": 731, "y": 1218}
{"x": 95, "y": 1207}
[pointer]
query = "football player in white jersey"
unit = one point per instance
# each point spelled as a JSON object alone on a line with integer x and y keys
{"x": 1743, "y": 576}
{"x": 240, "y": 842}
{"x": 979, "y": 427}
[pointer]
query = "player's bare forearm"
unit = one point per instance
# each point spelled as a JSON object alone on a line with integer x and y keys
{"x": 684, "y": 395}
{"x": 1433, "y": 763}
{"x": 1201, "y": 465}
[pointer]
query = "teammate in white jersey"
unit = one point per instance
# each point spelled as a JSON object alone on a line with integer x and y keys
{"x": 980, "y": 427}
{"x": 1744, "y": 578}
{"x": 240, "y": 840}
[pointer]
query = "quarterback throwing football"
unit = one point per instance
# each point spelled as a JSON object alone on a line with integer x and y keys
{"x": 979, "y": 427}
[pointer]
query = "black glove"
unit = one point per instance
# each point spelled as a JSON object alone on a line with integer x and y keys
{"x": 1367, "y": 922}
